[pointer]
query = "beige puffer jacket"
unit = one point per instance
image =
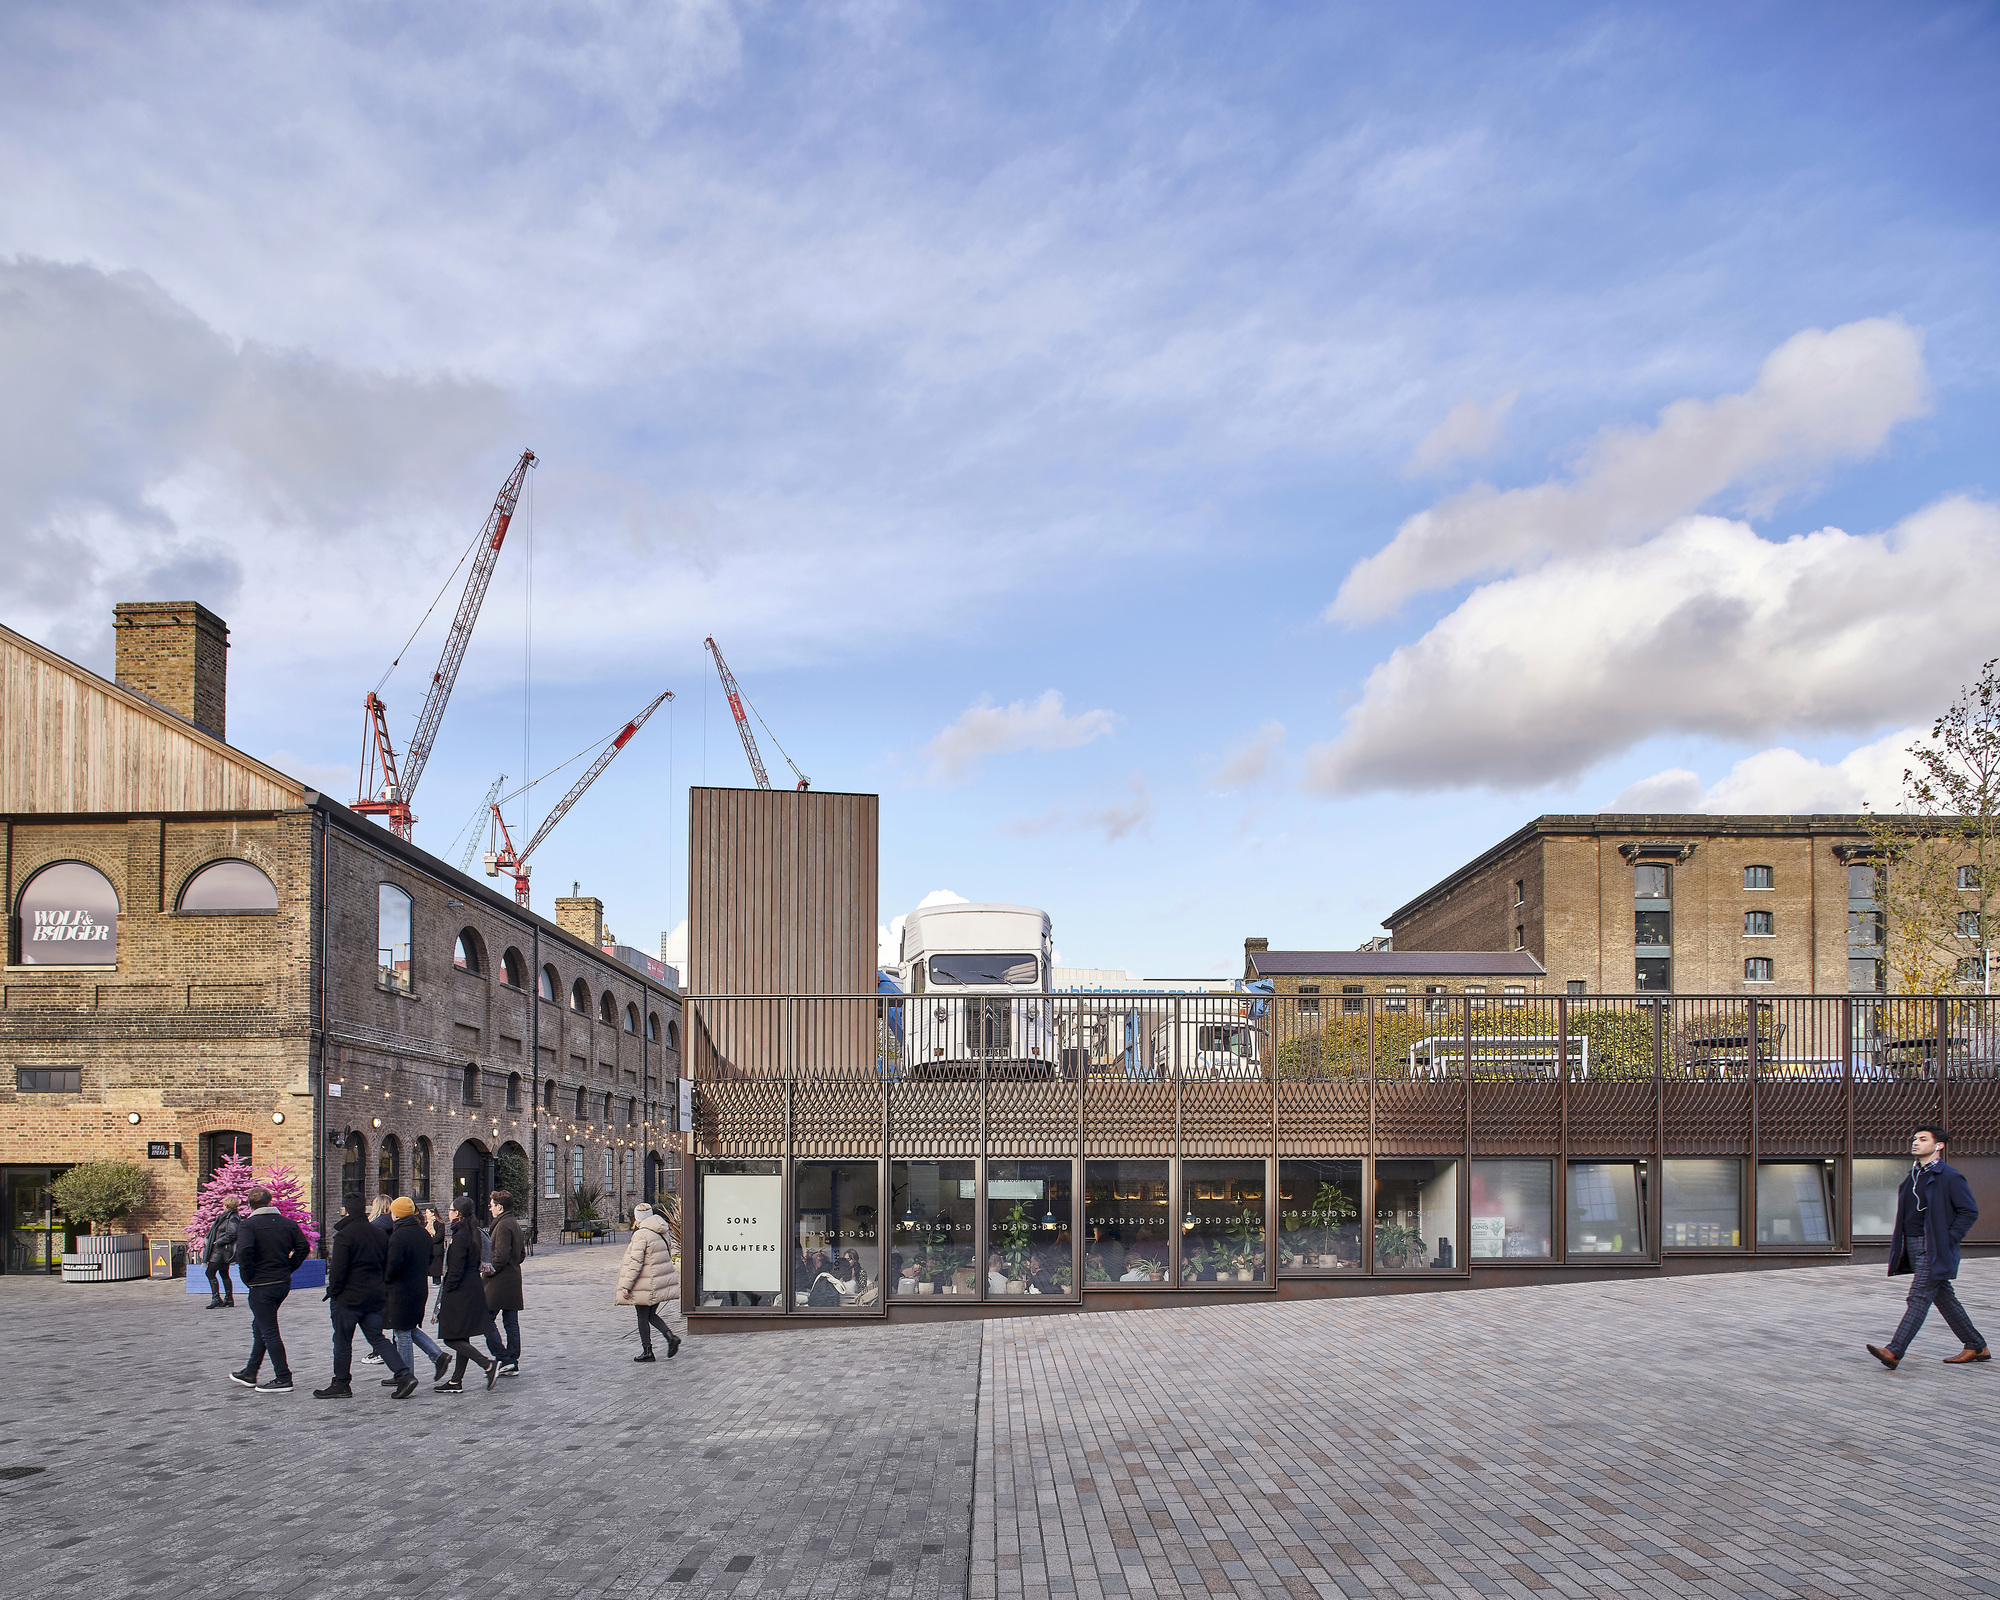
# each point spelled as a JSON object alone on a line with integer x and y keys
{"x": 647, "y": 1276}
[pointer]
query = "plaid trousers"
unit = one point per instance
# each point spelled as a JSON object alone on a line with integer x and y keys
{"x": 1926, "y": 1287}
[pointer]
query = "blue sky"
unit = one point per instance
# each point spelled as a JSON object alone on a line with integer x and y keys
{"x": 1210, "y": 469}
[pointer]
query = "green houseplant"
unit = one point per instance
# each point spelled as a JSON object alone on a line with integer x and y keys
{"x": 1334, "y": 1209}
{"x": 1396, "y": 1242}
{"x": 1015, "y": 1229}
{"x": 1152, "y": 1267}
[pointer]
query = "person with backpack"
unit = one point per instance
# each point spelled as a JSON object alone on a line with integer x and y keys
{"x": 270, "y": 1247}
{"x": 647, "y": 1277}
{"x": 217, "y": 1252}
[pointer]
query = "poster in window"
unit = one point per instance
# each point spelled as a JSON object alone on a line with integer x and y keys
{"x": 1489, "y": 1236}
{"x": 742, "y": 1233}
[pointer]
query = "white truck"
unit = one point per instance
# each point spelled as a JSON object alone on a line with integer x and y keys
{"x": 977, "y": 979}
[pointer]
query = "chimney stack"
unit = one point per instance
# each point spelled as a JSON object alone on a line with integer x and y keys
{"x": 1253, "y": 948}
{"x": 176, "y": 654}
{"x": 582, "y": 915}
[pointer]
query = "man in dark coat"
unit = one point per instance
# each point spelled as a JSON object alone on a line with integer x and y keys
{"x": 218, "y": 1250}
{"x": 406, "y": 1284}
{"x": 355, "y": 1299}
{"x": 504, "y": 1301}
{"x": 270, "y": 1247}
{"x": 1934, "y": 1212}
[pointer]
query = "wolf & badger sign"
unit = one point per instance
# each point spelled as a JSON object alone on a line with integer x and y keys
{"x": 68, "y": 918}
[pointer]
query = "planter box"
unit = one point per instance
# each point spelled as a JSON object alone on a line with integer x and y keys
{"x": 93, "y": 1245}
{"x": 118, "y": 1266}
{"x": 310, "y": 1276}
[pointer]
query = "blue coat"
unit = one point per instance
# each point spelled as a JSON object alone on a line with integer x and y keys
{"x": 1949, "y": 1213}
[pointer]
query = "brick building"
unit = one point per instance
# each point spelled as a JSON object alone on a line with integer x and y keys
{"x": 1332, "y": 981}
{"x": 1698, "y": 904}
{"x": 207, "y": 956}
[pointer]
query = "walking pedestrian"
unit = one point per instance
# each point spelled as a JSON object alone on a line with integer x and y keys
{"x": 378, "y": 1214}
{"x": 462, "y": 1304}
{"x": 504, "y": 1300}
{"x": 646, "y": 1277}
{"x": 406, "y": 1283}
{"x": 218, "y": 1250}
{"x": 1934, "y": 1212}
{"x": 270, "y": 1247}
{"x": 355, "y": 1299}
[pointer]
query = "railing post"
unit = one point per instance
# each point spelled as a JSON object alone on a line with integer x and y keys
{"x": 1368, "y": 1165}
{"x": 1943, "y": 1018}
{"x": 1559, "y": 1191}
{"x": 1658, "y": 1220}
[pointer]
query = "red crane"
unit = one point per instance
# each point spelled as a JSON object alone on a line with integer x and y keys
{"x": 504, "y": 854}
{"x": 387, "y": 791}
{"x": 736, "y": 705}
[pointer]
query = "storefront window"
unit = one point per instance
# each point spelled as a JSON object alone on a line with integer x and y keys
{"x": 219, "y": 1147}
{"x": 1319, "y": 1215}
{"x": 742, "y": 1234}
{"x": 420, "y": 1170}
{"x": 1876, "y": 1180}
{"x": 1607, "y": 1208}
{"x": 1028, "y": 1249}
{"x": 933, "y": 1242}
{"x": 1222, "y": 1226}
{"x": 1794, "y": 1208}
{"x": 1416, "y": 1216}
{"x": 389, "y": 1167}
{"x": 67, "y": 917}
{"x": 836, "y": 1235}
{"x": 1128, "y": 1223}
{"x": 1703, "y": 1205}
{"x": 354, "y": 1168}
{"x": 1512, "y": 1210}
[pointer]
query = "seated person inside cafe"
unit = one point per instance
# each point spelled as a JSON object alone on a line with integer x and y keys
{"x": 996, "y": 1273}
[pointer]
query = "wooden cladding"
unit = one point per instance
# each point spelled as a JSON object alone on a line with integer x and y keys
{"x": 71, "y": 742}
{"x": 781, "y": 892}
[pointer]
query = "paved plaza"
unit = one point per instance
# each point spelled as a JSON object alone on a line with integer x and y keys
{"x": 1723, "y": 1435}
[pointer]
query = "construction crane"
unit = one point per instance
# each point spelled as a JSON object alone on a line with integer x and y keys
{"x": 470, "y": 832}
{"x": 503, "y": 854}
{"x": 388, "y": 788}
{"x": 737, "y": 703}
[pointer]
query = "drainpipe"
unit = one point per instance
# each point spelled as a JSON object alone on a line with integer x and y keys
{"x": 318, "y": 1066}
{"x": 534, "y": 988}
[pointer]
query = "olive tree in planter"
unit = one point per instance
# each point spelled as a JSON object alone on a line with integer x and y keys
{"x": 100, "y": 1193}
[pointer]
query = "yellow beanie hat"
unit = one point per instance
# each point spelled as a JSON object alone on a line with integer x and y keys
{"x": 402, "y": 1206}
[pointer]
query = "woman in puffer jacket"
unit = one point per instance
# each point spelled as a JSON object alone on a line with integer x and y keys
{"x": 647, "y": 1278}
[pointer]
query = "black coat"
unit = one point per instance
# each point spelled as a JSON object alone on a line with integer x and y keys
{"x": 406, "y": 1276}
{"x": 1949, "y": 1213}
{"x": 220, "y": 1247}
{"x": 386, "y": 1223}
{"x": 354, "y": 1267}
{"x": 462, "y": 1304}
{"x": 510, "y": 1249}
{"x": 438, "y": 1243}
{"x": 270, "y": 1247}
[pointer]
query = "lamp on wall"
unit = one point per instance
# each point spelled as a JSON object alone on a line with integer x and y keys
{"x": 378, "y": 1122}
{"x": 278, "y": 1117}
{"x": 132, "y": 1117}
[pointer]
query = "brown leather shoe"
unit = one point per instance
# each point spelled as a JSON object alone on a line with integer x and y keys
{"x": 1967, "y": 1354}
{"x": 1888, "y": 1358}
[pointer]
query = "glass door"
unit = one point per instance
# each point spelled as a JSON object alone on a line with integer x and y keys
{"x": 37, "y": 1236}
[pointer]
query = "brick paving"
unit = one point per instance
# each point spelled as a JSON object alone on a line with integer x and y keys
{"x": 1693, "y": 1436}
{"x": 1721, "y": 1435}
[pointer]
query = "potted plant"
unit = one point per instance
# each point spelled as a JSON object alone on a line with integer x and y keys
{"x": 1397, "y": 1243}
{"x": 1249, "y": 1236}
{"x": 100, "y": 1193}
{"x": 1334, "y": 1210}
{"x": 1063, "y": 1276}
{"x": 1093, "y": 1271}
{"x": 1015, "y": 1228}
{"x": 1154, "y": 1270}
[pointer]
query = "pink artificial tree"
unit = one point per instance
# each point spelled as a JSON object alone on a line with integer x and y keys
{"x": 232, "y": 1181}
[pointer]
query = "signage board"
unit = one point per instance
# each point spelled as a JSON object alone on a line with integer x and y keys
{"x": 687, "y": 1104}
{"x": 742, "y": 1233}
{"x": 159, "y": 1150}
{"x": 68, "y": 917}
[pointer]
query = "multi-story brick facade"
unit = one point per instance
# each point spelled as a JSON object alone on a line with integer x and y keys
{"x": 1697, "y": 904}
{"x": 240, "y": 998}
{"x": 1331, "y": 981}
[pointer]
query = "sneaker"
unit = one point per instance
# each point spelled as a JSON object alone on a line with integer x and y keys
{"x": 372, "y": 1358}
{"x": 334, "y": 1391}
{"x": 406, "y": 1386}
{"x": 492, "y": 1373}
{"x": 443, "y": 1362}
{"x": 247, "y": 1379}
{"x": 448, "y": 1388}
{"x": 390, "y": 1383}
{"x": 510, "y": 1369}
{"x": 276, "y": 1386}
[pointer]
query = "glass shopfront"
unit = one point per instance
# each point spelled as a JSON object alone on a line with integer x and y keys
{"x": 1128, "y": 1222}
{"x": 836, "y": 1235}
{"x": 1876, "y": 1182}
{"x": 1319, "y": 1216}
{"x": 1222, "y": 1226}
{"x": 1703, "y": 1204}
{"x": 1416, "y": 1216}
{"x": 934, "y": 1235}
{"x": 1028, "y": 1228}
{"x": 743, "y": 1254}
{"x": 1512, "y": 1210}
{"x": 1606, "y": 1209}
{"x": 1794, "y": 1205}
{"x": 37, "y": 1236}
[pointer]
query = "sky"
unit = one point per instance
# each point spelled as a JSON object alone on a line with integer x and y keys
{"x": 1211, "y": 470}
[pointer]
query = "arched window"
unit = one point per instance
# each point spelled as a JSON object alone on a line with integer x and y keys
{"x": 392, "y": 936}
{"x": 219, "y": 1146}
{"x": 607, "y": 1110}
{"x": 513, "y": 969}
{"x": 653, "y": 1026}
{"x": 549, "y": 1095}
{"x": 229, "y": 887}
{"x": 582, "y": 1110}
{"x": 579, "y": 997}
{"x": 631, "y": 1018}
{"x": 354, "y": 1168}
{"x": 513, "y": 1091}
{"x": 67, "y": 917}
{"x": 465, "y": 954}
{"x": 631, "y": 1110}
{"x": 389, "y": 1167}
{"x": 673, "y": 1036}
{"x": 468, "y": 1089}
{"x": 607, "y": 1009}
{"x": 420, "y": 1171}
{"x": 550, "y": 984}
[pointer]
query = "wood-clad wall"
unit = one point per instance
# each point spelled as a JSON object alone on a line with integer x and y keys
{"x": 70, "y": 742}
{"x": 782, "y": 893}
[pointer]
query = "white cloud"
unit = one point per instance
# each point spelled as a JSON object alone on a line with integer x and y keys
{"x": 889, "y": 940}
{"x": 986, "y": 729}
{"x": 1254, "y": 760}
{"x": 1820, "y": 397}
{"x": 674, "y": 948}
{"x": 1114, "y": 821}
{"x": 1469, "y": 430}
{"x": 1783, "y": 781}
{"x": 1706, "y": 629}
